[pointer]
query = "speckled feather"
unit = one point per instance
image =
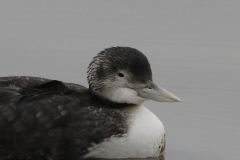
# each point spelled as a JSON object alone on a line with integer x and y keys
{"x": 44, "y": 119}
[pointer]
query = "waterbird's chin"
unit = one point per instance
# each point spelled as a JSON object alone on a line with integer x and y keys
{"x": 122, "y": 95}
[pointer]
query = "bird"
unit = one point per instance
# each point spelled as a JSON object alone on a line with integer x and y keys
{"x": 42, "y": 118}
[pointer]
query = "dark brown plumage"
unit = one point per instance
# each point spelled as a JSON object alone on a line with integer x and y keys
{"x": 43, "y": 119}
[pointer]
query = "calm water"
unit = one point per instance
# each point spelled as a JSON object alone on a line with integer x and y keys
{"x": 193, "y": 48}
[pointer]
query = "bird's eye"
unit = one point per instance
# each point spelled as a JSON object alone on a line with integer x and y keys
{"x": 120, "y": 75}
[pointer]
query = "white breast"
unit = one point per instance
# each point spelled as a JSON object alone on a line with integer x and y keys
{"x": 145, "y": 138}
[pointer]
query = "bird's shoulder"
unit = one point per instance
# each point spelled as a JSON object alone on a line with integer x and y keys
{"x": 47, "y": 99}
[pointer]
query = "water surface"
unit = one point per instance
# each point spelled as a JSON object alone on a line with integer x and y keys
{"x": 193, "y": 48}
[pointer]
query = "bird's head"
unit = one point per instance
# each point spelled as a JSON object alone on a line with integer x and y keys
{"x": 123, "y": 75}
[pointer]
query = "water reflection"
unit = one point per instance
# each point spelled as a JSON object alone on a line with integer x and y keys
{"x": 154, "y": 158}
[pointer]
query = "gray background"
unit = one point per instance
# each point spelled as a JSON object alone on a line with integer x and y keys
{"x": 193, "y": 48}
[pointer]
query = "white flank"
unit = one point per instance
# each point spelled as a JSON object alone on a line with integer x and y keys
{"x": 145, "y": 138}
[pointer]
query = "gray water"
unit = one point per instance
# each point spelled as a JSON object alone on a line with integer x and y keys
{"x": 193, "y": 48}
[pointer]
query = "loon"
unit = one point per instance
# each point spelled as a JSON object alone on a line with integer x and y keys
{"x": 49, "y": 119}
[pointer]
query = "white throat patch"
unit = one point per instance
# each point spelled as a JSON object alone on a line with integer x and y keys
{"x": 122, "y": 95}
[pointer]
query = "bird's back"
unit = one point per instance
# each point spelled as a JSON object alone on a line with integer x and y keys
{"x": 42, "y": 118}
